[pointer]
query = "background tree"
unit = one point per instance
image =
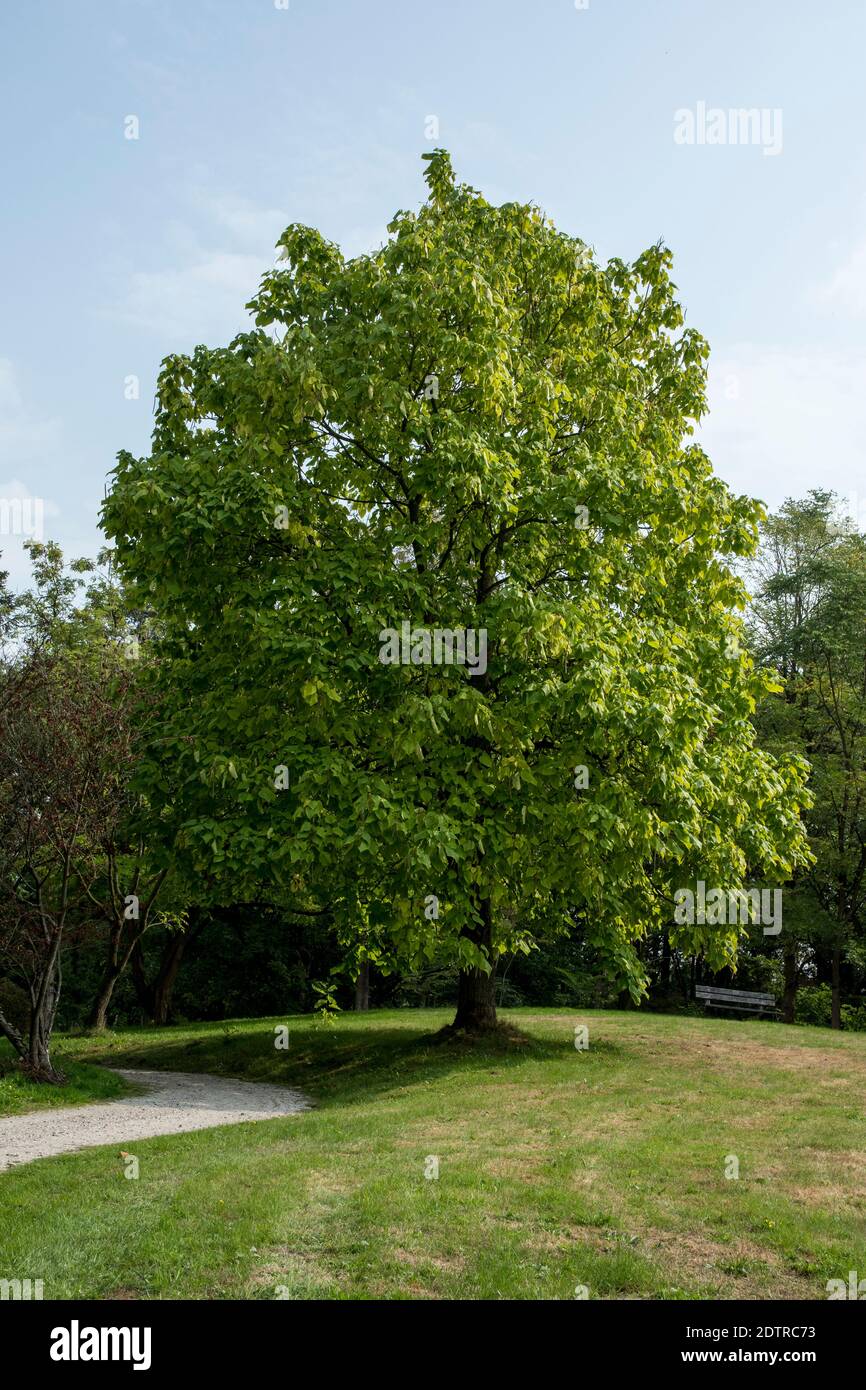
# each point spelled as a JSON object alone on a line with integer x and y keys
{"x": 63, "y": 752}
{"x": 155, "y": 991}
{"x": 475, "y": 427}
{"x": 71, "y": 722}
{"x": 136, "y": 886}
{"x": 808, "y": 622}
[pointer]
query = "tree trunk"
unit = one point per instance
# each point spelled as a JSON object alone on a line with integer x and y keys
{"x": 682, "y": 980}
{"x": 792, "y": 980}
{"x": 476, "y": 991}
{"x": 169, "y": 969}
{"x": 155, "y": 999}
{"x": 99, "y": 1011}
{"x": 114, "y": 966}
{"x": 666, "y": 964}
{"x": 143, "y": 990}
{"x": 39, "y": 1065}
{"x": 10, "y": 1032}
{"x": 362, "y": 988}
{"x": 836, "y": 1006}
{"x": 37, "y": 1061}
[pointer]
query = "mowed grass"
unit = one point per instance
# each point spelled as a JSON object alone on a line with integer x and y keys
{"x": 84, "y": 1082}
{"x": 557, "y": 1168}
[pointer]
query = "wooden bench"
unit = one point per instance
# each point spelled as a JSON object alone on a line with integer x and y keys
{"x": 748, "y": 1000}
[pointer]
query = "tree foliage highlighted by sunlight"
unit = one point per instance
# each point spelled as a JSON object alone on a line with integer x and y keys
{"x": 481, "y": 428}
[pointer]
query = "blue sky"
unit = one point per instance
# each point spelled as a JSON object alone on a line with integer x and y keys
{"x": 116, "y": 252}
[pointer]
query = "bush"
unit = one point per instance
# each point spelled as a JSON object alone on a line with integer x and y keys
{"x": 854, "y": 1017}
{"x": 815, "y": 1006}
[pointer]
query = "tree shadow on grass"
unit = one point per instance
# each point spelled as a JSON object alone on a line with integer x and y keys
{"x": 347, "y": 1064}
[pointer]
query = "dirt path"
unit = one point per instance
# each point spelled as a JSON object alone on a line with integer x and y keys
{"x": 174, "y": 1103}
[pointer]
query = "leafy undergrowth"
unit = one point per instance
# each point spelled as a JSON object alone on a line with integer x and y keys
{"x": 557, "y": 1168}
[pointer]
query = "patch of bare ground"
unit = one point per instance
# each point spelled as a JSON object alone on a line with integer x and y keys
{"x": 734, "y": 1054}
{"x": 739, "y": 1268}
{"x": 698, "y": 1257}
{"x": 520, "y": 1164}
{"x": 504, "y": 1037}
{"x": 845, "y": 1183}
{"x": 826, "y": 1196}
{"x": 417, "y": 1259}
{"x": 286, "y": 1266}
{"x": 324, "y": 1188}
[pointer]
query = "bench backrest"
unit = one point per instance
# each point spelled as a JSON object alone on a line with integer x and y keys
{"x": 733, "y": 996}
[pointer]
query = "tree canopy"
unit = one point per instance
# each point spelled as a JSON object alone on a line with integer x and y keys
{"x": 480, "y": 429}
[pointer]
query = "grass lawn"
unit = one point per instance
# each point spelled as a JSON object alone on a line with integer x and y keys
{"x": 556, "y": 1167}
{"x": 85, "y": 1082}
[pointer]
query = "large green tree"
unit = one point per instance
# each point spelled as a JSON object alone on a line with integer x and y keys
{"x": 476, "y": 427}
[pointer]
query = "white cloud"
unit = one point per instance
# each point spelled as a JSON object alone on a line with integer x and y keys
{"x": 363, "y": 240}
{"x": 26, "y": 444}
{"x": 783, "y": 422}
{"x": 23, "y": 440}
{"x": 23, "y": 516}
{"x": 255, "y": 228}
{"x": 202, "y": 301}
{"x": 213, "y": 264}
{"x": 847, "y": 285}
{"x": 10, "y": 392}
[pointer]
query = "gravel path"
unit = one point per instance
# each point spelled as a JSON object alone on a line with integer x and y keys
{"x": 174, "y": 1103}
